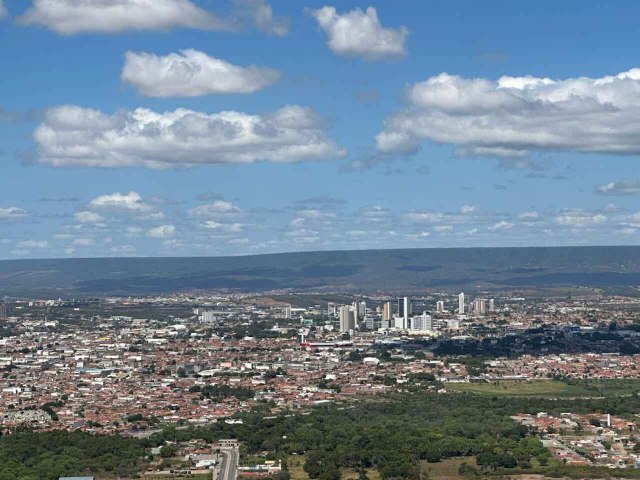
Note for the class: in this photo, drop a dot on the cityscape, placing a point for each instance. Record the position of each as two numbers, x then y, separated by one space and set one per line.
312 240
131 367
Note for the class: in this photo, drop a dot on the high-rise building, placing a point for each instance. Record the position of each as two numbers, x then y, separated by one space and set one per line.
479 306
347 318
362 309
461 304
492 305
386 311
208 316
439 306
369 323
404 311
422 323
287 312
4 311
332 309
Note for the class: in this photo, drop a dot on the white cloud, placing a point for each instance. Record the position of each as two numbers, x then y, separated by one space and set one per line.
238 241
261 15
123 249
577 218
3 10
466 209
83 242
360 33
70 17
9 213
26 244
529 215
443 228
619 188
514 116
88 217
226 227
218 208
131 201
162 231
501 225
75 136
191 73
425 216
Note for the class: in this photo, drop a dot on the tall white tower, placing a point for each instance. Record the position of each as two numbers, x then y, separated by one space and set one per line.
461 304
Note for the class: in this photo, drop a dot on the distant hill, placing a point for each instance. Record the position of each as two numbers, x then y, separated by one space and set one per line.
363 270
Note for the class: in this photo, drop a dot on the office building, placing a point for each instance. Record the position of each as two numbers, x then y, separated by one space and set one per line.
347 318
422 323
479 306
287 312
369 323
492 305
208 316
461 304
362 309
404 311
332 309
386 311
4 311
439 306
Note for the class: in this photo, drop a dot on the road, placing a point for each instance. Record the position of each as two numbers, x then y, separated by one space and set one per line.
228 469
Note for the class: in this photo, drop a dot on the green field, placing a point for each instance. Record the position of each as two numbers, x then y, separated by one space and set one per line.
551 388
446 469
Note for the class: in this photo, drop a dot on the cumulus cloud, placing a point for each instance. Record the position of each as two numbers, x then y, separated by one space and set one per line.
74 136
514 116
88 217
162 231
619 188
576 218
9 213
218 208
131 201
70 17
191 73
359 33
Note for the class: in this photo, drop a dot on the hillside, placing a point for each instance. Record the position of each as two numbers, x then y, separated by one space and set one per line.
390 270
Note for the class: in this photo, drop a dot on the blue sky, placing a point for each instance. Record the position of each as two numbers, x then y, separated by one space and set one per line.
257 126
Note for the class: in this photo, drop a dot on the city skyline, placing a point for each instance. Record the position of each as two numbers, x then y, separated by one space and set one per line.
254 126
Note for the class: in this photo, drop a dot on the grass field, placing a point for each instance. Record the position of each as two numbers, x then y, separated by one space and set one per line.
550 388
447 469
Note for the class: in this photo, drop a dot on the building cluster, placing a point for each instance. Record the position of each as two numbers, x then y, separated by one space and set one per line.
592 439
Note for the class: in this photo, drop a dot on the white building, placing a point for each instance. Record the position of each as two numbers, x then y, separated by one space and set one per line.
461 304
208 316
347 318
422 323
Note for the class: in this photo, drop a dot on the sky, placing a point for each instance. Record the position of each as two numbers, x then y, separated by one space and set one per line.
233 127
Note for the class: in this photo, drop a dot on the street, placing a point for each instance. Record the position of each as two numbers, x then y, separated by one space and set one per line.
228 468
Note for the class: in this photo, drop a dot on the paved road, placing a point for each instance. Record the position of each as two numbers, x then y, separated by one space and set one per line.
228 464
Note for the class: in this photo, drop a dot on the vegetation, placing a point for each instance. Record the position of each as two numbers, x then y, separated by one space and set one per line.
551 388
45 456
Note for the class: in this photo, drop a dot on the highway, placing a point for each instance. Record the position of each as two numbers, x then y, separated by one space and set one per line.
228 469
